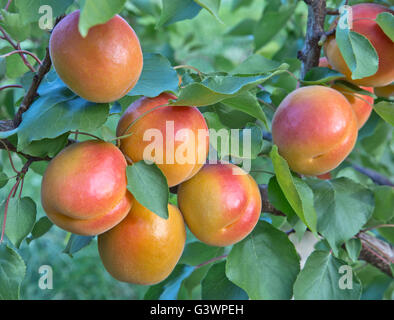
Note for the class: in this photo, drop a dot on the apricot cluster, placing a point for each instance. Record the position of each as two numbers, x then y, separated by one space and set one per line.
85 188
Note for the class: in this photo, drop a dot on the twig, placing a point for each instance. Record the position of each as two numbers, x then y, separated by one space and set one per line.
10 86
374 176
310 54
24 52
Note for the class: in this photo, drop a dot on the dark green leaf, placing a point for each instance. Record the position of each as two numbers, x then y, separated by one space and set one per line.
217 286
385 21
177 10
321 76
40 228
353 248
197 252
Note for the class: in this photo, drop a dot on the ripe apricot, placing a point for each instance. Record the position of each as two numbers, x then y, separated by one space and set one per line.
104 66
144 248
175 138
84 188
221 204
361 103
315 129
363 20
385 92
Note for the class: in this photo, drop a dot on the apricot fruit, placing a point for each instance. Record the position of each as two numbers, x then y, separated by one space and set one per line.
363 21
144 248
361 103
315 129
102 67
84 188
175 138
221 204
385 92
323 62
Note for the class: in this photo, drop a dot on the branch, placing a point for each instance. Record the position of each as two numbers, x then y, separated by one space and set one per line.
376 252
310 54
374 176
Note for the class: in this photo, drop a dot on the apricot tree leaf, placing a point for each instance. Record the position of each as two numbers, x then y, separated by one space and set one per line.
385 21
96 12
385 109
12 273
149 187
265 264
177 10
322 276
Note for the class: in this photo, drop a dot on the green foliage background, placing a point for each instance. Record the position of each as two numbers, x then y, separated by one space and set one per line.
211 40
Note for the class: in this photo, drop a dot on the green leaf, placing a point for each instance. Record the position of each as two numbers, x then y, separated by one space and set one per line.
320 279
149 187
216 88
265 264
76 243
190 288
12 273
321 75
197 252
30 9
384 203
96 12
21 216
40 228
343 207
216 286
357 51
157 76
271 23
353 248
385 21
61 111
15 26
247 102
177 10
168 289
257 64
231 117
299 195
385 109
278 199
244 28
240 3
212 6
3 179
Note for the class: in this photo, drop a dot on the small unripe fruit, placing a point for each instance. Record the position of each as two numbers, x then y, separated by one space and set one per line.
83 189
363 21
179 135
104 66
221 204
144 248
315 129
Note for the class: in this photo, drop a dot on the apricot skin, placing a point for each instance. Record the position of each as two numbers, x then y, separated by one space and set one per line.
144 248
220 208
183 118
84 188
363 16
385 92
361 104
315 129
104 66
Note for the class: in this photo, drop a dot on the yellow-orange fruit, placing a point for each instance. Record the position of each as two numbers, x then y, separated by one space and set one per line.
83 189
315 129
144 248
361 104
385 92
102 67
179 134
221 204
363 21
